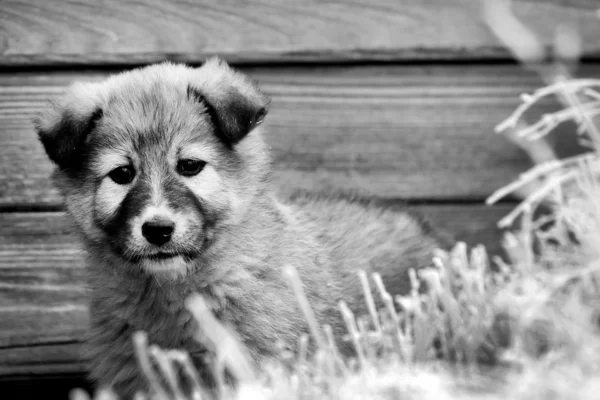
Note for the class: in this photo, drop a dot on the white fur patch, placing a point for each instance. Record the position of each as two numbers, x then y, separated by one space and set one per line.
209 186
157 196
109 197
108 161
286 211
170 268
197 151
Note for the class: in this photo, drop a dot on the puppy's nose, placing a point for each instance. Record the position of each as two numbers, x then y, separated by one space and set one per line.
158 232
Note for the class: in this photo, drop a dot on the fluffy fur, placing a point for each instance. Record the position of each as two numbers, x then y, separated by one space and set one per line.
231 233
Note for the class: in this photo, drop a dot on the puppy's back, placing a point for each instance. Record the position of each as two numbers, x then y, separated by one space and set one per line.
360 234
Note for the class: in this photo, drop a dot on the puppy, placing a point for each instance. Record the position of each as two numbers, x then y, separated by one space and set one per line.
166 174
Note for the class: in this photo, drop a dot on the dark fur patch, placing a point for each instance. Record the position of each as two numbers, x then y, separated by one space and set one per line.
179 197
234 115
195 95
118 227
211 217
64 143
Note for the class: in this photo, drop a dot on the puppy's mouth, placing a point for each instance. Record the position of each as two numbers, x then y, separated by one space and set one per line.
165 264
161 256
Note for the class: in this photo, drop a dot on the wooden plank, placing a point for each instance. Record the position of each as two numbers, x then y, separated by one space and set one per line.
55 358
417 132
43 32
42 297
43 315
41 280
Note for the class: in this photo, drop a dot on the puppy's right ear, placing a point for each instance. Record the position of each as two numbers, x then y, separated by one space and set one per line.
65 124
234 102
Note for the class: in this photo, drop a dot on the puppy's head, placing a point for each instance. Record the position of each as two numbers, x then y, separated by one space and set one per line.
153 162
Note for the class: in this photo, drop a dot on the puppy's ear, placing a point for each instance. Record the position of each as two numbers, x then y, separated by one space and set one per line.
65 124
234 102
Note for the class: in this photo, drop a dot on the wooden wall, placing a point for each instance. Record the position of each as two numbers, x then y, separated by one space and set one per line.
394 98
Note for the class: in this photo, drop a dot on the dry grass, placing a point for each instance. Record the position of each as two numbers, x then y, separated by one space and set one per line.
535 315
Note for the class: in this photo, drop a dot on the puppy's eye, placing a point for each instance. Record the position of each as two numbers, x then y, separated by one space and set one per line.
189 167
122 175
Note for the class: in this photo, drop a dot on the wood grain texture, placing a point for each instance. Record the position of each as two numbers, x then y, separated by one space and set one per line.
417 132
45 32
43 314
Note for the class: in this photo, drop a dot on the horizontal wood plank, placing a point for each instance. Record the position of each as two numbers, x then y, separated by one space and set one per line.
43 313
55 358
416 132
44 32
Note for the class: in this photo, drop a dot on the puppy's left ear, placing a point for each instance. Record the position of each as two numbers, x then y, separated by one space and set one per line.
234 102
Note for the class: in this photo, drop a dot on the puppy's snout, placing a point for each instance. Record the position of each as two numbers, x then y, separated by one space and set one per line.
158 231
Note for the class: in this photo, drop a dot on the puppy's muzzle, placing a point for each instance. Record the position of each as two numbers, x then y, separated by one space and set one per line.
158 231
